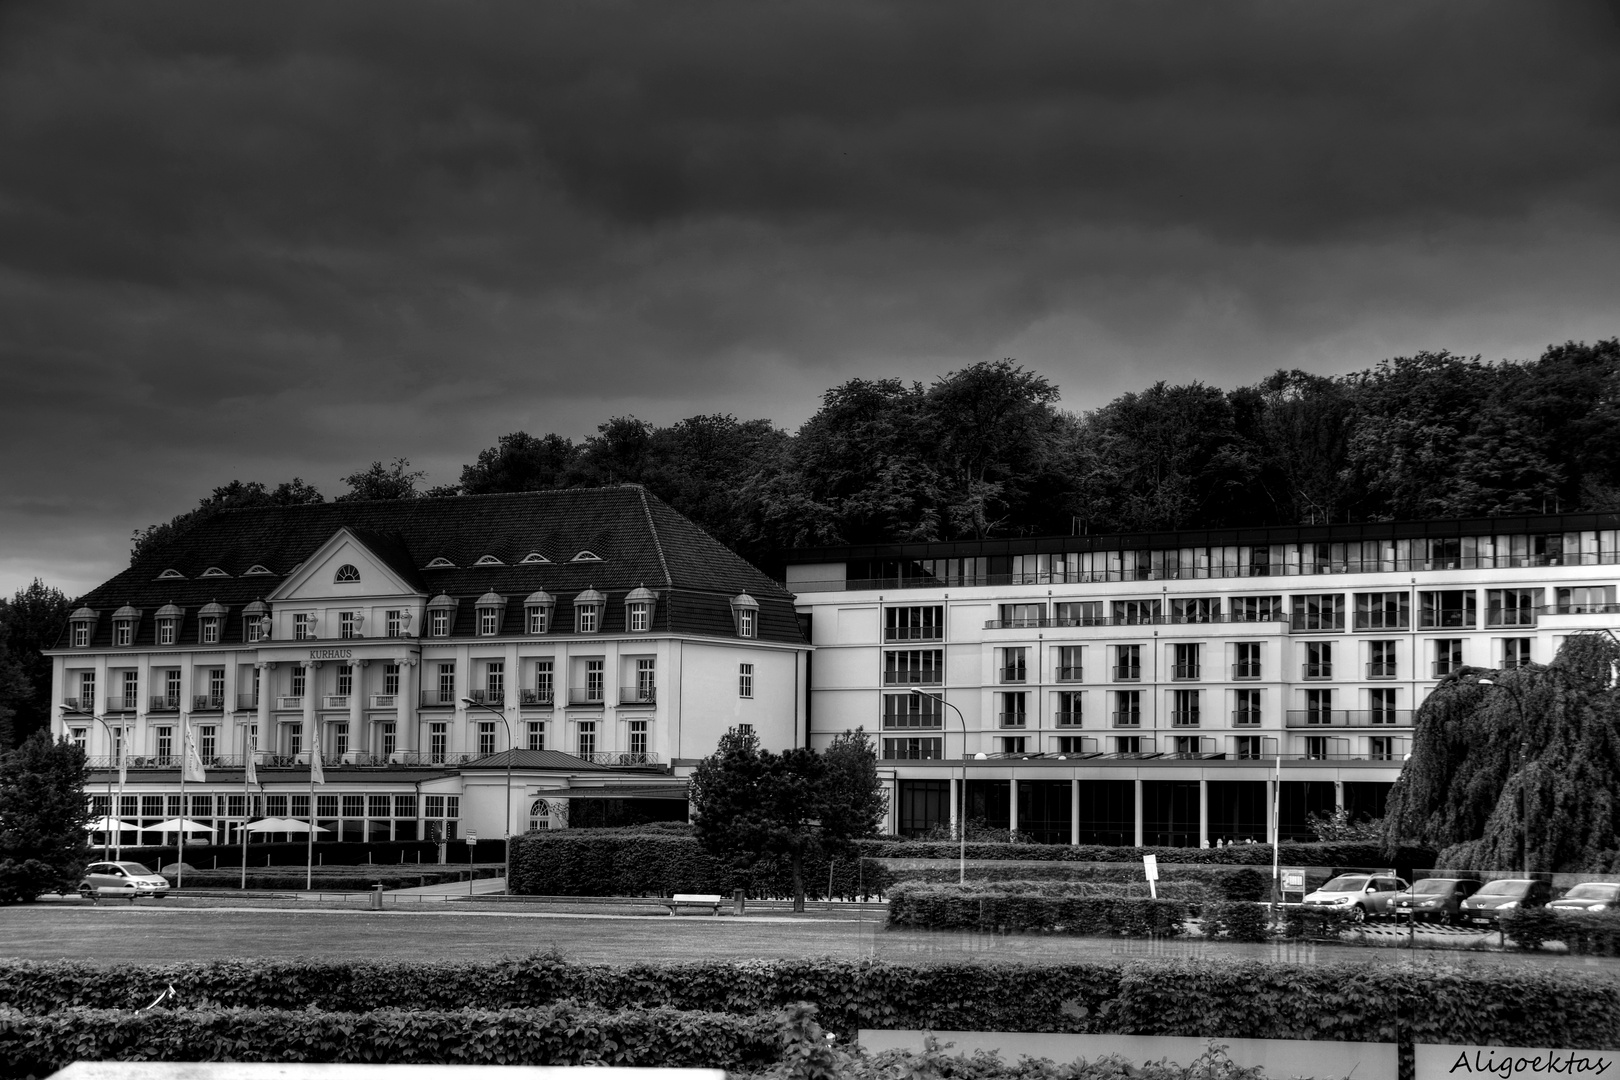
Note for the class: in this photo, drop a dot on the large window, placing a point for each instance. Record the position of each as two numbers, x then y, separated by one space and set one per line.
1015 665
1127 663
537 734
1195 609
1248 660
544 686
914 623
303 627
913 667
447 683
594 680
1318 660
745 680
1383 611
1510 607
1381 662
1184 711
1319 611
1127 708
1015 709
1023 615
638 736
1070 708
1586 600
1137 612
1186 665
1246 708
913 749
1446 609
1515 652
349 624
1070 667
911 711
1448 657
1256 608
1079 613
1381 705
587 738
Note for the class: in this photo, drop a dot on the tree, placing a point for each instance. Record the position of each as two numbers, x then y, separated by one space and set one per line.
33 619
293 492
43 811
380 481
748 803
521 462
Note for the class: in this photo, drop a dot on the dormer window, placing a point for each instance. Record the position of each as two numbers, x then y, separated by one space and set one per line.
745 614
213 571
168 624
587 556
349 624
258 570
441 616
124 620
534 557
171 574
588 611
638 610
537 611
348 572
490 607
488 560
209 621
81 621
255 622
439 563
304 626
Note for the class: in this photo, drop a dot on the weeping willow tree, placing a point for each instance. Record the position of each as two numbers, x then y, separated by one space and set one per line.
1520 768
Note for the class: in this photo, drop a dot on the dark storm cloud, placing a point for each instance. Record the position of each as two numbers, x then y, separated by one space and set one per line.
265 240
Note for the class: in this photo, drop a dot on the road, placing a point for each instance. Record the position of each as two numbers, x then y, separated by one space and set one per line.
201 929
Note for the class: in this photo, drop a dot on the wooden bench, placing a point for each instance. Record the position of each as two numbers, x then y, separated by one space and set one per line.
712 901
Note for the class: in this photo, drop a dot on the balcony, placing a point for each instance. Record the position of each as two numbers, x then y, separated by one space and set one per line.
1127 720
165 703
924 677
624 759
1510 618
123 703
1353 718
384 701
1442 668
1184 717
289 701
1446 619
1012 719
1318 671
1382 671
1317 623
585 695
1014 673
489 696
1069 674
1184 672
912 721
1127 672
638 695
335 701
1246 670
537 697
1131 620
434 699
208 703
1246 718
1580 609
72 704
913 633
1381 620
1067 718
430 758
247 701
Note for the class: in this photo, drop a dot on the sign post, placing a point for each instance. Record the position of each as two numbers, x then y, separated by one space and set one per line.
472 842
1150 866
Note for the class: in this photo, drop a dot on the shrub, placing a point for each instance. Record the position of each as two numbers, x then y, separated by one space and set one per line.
1237 921
1530 928
328 878
1590 933
1316 922
994 907
329 853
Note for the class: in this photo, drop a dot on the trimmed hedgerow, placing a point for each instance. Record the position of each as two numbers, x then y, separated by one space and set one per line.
329 878
293 853
1585 933
1010 907
1316 922
1236 921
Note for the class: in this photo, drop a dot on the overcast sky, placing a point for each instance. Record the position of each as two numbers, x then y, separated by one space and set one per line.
260 241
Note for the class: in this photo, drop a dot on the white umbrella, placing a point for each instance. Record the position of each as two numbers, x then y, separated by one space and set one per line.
177 824
274 825
103 824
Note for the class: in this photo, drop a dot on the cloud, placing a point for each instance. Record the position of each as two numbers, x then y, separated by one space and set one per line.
260 242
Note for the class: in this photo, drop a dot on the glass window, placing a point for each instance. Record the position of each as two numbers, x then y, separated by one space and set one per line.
489 621
914 623
587 738
913 749
439 622
745 681
908 710
537 734
585 617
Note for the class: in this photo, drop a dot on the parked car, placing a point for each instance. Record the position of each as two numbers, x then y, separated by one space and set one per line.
1436 899
121 879
1363 895
1504 894
1589 896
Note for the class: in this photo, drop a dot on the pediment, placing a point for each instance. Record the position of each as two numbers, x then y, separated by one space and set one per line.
342 568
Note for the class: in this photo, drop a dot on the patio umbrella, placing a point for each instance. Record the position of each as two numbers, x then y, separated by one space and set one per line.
103 824
177 824
288 825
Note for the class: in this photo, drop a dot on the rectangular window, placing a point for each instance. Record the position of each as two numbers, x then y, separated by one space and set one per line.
303 627
587 738
1515 652
537 734
354 806
80 737
1319 706
1137 612
171 688
1383 611
1186 745
252 629
346 625
1319 611
486 738
1381 748
593 680
390 738
165 743
1246 707
745 680
252 737
585 618
123 632
914 623
395 622
1014 744
646 679
1448 657
1381 706
404 806
1070 707
1317 747
1247 747
1510 607
1195 610
914 667
275 805
1079 613
489 621
447 683
438 742
345 680
295 739
340 740
81 635
495 682
1127 744
745 622
166 631
216 685
640 619
1071 744
1381 660
1318 660
1184 710
1447 609
537 620
132 690
87 691
544 688
1586 600
1127 663
917 749
1186 664
1256 608
390 678
1015 709
1023 615
1248 660
439 622
911 711
1127 708
1070 667
1014 665
638 736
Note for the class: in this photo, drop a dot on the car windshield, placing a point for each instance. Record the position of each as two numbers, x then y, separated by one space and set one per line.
133 868
1504 888
1434 885
1345 883
1593 891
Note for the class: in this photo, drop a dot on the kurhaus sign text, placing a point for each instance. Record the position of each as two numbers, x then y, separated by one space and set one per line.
331 654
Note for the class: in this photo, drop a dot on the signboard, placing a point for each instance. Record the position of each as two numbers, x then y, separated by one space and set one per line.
472 838
1150 865
1439 1062
1293 880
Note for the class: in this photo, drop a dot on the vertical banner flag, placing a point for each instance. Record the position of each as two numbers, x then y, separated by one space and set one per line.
123 767
252 772
317 775
194 764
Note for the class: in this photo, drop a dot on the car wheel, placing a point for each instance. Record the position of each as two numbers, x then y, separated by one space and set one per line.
1358 914
86 892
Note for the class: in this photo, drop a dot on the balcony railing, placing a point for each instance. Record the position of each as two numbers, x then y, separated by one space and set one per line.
488 696
625 759
1012 719
913 721
123 703
924 677
1184 717
1127 719
1580 609
1318 671
1442 668
1378 620
913 633
1382 671
1014 673
208 703
638 695
1185 672
334 701
1127 672
384 701
537 697
1067 718
1249 670
585 695
164 703
72 704
1129 620
429 758
1510 618
1246 718
438 698
1319 718
1070 674
1431 620
289 701
1314 623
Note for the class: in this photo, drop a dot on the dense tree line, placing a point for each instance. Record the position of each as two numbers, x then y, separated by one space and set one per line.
986 451
29 621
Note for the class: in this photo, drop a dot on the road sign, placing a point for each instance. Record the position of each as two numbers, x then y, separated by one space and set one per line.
472 838
1150 864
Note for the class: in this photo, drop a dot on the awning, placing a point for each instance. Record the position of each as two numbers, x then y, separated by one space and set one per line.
178 825
102 824
288 825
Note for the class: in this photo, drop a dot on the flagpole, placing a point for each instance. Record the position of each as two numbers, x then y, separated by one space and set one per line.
248 777
118 846
309 853
185 766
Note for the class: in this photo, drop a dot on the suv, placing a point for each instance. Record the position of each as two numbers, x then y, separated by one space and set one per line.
129 879
1436 899
1485 907
1362 895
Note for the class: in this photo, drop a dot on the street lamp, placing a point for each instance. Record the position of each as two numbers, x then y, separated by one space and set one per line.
511 749
961 824
1522 756
111 806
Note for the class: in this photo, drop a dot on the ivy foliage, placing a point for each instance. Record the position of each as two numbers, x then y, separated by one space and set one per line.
1504 757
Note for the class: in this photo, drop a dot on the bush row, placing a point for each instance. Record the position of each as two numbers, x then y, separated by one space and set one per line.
1586 933
1013 908
333 853
328 878
1185 882
1230 998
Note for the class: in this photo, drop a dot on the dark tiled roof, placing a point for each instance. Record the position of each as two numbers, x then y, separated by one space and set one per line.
641 541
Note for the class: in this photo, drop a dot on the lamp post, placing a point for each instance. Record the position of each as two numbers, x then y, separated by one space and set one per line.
107 842
961 824
1521 755
511 749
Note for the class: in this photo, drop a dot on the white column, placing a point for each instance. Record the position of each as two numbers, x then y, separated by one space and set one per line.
1139 826
262 716
512 707
1203 813
135 741
956 797
359 740
1074 813
312 730
405 704
1338 794
1012 805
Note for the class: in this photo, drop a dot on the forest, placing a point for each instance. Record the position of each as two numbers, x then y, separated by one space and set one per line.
986 452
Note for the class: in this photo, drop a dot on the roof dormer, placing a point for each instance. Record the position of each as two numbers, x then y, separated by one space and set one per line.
439 563
638 609
487 560
213 571
537 608
81 623
587 556
171 574
441 615
490 608
258 570
534 557
588 607
745 615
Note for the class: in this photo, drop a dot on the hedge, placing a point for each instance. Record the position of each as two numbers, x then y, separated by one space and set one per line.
328 878
648 862
1236 921
1585 933
1228 998
330 852
1013 908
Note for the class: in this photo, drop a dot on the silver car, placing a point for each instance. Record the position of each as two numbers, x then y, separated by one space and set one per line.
1362 895
129 879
